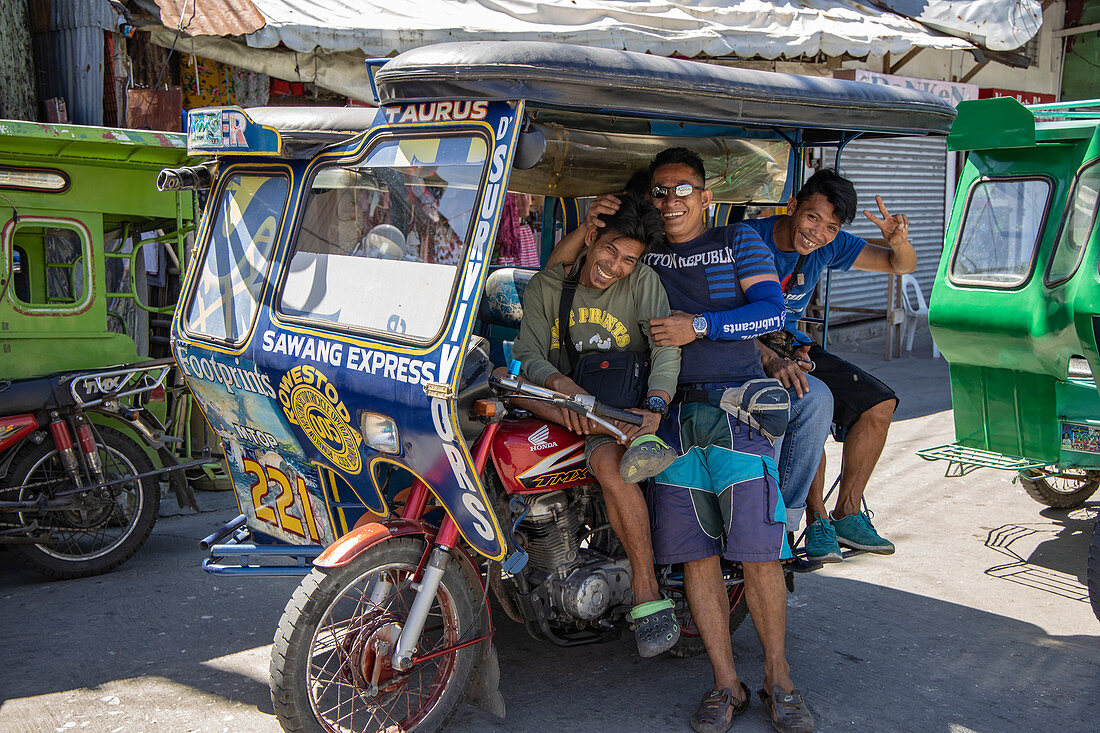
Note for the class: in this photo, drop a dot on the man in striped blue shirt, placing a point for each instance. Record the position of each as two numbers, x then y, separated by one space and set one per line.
720 498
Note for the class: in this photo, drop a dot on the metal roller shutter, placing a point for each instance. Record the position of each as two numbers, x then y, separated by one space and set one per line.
910 175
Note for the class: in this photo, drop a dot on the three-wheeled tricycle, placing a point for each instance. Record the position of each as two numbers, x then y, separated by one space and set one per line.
341 322
90 261
1016 305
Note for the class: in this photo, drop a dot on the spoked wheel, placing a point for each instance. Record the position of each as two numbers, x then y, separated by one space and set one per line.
105 526
331 664
1058 488
690 644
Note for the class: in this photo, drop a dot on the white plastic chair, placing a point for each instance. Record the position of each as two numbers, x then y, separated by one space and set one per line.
916 309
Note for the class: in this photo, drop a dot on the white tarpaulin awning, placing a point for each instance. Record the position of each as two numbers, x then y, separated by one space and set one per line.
745 28
325 41
999 25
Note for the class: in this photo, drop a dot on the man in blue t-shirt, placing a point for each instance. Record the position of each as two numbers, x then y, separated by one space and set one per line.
720 498
805 242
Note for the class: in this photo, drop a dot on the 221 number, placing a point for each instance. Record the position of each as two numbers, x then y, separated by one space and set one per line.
279 516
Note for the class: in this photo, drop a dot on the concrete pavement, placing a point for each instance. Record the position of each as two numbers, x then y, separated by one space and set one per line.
979 622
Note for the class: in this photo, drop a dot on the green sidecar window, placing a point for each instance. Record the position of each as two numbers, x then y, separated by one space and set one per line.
242 239
999 232
381 241
1076 228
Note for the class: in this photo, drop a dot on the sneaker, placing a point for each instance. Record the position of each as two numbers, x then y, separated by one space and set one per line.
821 543
799 563
857 532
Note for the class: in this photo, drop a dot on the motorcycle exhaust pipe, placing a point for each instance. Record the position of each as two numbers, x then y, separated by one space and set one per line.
230 527
189 177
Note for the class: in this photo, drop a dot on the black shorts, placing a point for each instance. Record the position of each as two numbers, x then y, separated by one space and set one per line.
854 390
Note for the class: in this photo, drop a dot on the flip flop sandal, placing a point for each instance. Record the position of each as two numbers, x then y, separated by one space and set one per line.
646 457
789 711
656 629
710 716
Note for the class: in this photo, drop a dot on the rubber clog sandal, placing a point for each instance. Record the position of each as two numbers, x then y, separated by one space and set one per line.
788 710
656 629
644 458
710 716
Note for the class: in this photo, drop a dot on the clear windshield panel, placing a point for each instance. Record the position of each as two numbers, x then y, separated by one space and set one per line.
999 233
738 170
1077 226
242 239
381 241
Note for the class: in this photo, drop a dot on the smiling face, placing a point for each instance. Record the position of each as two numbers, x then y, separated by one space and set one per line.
684 217
611 257
813 223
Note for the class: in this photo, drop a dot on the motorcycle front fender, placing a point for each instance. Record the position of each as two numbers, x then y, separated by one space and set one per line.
359 540
354 543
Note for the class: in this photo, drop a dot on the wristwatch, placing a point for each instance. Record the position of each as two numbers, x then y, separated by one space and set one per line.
656 404
699 323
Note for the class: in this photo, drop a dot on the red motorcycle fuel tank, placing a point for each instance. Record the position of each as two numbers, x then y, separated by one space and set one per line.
532 456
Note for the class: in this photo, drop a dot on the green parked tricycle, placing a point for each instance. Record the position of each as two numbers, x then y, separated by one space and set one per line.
90 256
1016 305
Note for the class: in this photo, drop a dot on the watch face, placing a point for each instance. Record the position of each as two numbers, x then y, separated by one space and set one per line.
699 324
656 404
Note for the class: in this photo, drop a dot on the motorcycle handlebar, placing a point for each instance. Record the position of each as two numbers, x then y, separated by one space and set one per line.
614 413
577 403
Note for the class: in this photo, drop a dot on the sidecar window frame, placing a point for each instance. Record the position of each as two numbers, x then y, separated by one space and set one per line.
1070 235
241 335
374 143
990 279
64 285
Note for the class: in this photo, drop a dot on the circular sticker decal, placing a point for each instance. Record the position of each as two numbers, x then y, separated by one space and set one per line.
324 426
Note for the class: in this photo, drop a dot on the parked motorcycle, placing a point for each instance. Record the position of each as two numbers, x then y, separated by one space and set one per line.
387 639
78 498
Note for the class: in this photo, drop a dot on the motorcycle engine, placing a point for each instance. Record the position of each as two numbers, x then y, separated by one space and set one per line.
581 584
552 530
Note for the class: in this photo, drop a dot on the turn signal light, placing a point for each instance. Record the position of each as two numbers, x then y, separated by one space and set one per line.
486 408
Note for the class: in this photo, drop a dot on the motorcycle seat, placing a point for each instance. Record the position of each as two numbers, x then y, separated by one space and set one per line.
32 395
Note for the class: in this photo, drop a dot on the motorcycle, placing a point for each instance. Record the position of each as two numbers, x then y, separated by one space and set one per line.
388 636
79 498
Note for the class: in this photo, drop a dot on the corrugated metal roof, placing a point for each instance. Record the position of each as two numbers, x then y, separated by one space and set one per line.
211 17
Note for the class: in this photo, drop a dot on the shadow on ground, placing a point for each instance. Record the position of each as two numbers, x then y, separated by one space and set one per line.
868 657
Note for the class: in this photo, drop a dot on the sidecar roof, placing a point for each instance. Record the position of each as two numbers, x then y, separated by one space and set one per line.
558 78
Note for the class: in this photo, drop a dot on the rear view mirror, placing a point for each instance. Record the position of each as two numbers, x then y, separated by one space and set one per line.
530 148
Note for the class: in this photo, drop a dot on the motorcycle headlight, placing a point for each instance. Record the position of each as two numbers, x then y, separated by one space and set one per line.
379 432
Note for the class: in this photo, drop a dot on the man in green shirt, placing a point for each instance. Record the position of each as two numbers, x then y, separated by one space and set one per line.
616 296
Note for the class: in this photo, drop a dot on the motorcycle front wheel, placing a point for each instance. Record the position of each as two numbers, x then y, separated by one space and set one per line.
105 526
330 667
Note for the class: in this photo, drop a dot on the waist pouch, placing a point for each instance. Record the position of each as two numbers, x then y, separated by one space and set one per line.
764 404
617 378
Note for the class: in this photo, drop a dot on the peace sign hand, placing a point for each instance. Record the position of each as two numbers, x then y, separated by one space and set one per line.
894 228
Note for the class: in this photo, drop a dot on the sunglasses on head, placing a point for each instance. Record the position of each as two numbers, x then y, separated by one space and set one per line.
682 190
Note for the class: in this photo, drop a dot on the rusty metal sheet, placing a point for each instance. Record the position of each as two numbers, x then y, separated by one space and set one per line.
211 17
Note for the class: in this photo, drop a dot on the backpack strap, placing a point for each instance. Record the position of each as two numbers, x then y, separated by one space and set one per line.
567 352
